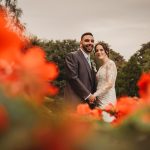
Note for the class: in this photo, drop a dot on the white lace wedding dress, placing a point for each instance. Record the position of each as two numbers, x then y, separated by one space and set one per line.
106 94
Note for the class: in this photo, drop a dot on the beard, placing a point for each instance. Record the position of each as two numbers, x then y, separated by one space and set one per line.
88 48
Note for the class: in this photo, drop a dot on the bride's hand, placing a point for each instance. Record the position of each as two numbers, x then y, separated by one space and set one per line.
91 98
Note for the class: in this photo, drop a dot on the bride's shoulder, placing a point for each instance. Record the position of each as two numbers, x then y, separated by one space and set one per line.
111 62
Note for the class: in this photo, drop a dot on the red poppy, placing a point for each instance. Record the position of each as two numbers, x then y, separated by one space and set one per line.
10 41
84 109
24 73
144 87
125 107
146 118
31 76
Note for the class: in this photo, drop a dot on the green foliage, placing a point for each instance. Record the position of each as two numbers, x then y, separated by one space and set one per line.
131 71
118 59
12 6
129 75
143 57
120 89
146 62
14 12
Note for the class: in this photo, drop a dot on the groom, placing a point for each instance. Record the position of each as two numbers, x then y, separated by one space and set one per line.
81 79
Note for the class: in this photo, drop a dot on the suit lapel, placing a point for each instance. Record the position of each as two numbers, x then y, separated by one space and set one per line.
86 64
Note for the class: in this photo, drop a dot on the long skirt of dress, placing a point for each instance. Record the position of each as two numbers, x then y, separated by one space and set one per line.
109 98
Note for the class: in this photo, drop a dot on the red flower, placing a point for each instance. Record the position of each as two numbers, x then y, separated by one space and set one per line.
24 73
123 109
31 76
144 87
146 118
10 41
84 109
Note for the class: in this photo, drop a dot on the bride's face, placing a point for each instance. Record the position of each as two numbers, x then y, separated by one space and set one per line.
100 52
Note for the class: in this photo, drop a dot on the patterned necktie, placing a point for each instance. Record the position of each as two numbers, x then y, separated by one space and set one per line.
88 59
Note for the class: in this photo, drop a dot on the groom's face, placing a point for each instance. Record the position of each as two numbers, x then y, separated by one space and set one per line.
87 43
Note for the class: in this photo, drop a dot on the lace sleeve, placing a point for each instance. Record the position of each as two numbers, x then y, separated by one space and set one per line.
111 73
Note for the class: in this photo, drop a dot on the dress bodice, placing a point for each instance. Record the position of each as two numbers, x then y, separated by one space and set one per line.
106 77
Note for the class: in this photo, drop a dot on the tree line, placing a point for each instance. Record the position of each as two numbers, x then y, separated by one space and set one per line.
129 71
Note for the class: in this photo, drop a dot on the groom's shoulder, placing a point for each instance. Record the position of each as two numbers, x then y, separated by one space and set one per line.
74 52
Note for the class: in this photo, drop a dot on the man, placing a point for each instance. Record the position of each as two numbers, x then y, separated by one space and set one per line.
81 82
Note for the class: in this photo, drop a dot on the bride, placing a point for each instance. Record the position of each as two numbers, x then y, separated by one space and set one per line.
106 77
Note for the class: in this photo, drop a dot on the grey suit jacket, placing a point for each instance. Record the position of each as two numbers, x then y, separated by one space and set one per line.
81 80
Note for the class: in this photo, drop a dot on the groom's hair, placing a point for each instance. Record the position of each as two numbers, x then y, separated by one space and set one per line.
86 33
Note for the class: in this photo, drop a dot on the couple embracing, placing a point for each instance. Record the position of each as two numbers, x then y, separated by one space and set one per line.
84 83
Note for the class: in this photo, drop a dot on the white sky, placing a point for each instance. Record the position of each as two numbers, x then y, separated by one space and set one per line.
123 24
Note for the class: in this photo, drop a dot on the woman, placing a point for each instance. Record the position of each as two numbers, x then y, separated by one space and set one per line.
106 77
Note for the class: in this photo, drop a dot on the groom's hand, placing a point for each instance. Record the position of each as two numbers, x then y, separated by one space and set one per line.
91 98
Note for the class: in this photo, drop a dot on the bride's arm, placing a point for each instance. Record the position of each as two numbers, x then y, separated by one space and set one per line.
111 73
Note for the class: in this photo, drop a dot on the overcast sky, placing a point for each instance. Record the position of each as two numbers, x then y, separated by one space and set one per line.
123 24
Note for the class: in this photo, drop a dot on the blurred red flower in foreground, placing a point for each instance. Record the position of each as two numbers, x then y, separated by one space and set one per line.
124 107
10 41
84 109
24 73
31 77
144 87
146 118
